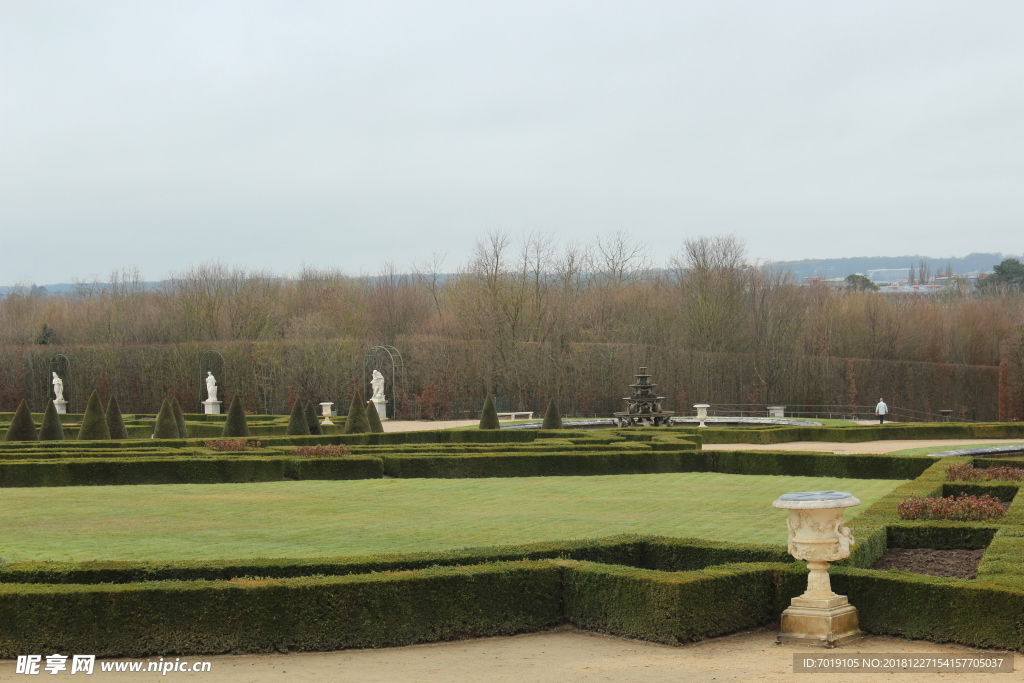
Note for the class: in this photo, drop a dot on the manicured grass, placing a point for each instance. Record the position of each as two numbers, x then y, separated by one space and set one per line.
954 447
331 518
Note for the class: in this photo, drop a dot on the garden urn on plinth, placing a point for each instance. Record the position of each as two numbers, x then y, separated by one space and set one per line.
702 412
817 534
325 409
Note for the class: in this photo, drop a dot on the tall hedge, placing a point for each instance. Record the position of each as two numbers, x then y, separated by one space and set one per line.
356 422
22 427
51 429
115 422
94 422
179 418
312 420
297 424
236 424
166 426
489 416
552 418
374 418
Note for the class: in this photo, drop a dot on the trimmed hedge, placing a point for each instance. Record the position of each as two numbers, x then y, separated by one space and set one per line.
297 424
115 421
22 427
266 615
537 465
236 424
51 429
184 470
488 415
94 422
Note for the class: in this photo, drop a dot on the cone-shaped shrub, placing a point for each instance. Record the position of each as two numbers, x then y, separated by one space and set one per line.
356 422
236 424
94 422
22 427
312 420
115 422
179 418
52 429
552 420
489 416
373 417
297 425
166 426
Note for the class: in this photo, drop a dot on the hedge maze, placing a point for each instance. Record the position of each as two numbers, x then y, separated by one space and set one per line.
666 590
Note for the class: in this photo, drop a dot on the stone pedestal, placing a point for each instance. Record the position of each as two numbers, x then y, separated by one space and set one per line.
702 412
382 409
817 535
61 405
325 409
211 407
776 411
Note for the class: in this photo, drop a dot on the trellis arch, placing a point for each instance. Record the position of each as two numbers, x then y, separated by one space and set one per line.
377 356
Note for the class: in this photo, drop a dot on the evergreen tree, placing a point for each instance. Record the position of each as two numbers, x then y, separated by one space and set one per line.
312 420
166 426
489 416
22 427
94 422
552 419
179 418
236 424
52 429
356 422
373 417
115 422
297 425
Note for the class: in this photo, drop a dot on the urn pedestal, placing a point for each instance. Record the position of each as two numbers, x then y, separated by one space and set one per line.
61 405
382 409
702 412
817 534
211 407
325 409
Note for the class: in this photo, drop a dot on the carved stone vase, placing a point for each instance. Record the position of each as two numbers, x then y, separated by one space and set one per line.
818 535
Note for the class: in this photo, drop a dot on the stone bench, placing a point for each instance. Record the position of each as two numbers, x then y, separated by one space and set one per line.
521 415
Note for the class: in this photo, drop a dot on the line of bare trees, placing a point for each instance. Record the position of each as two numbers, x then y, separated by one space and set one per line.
514 317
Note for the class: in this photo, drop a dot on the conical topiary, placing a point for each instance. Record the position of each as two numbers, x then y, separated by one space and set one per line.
52 429
94 422
166 426
115 422
297 425
312 420
179 418
373 417
356 422
236 424
22 427
552 420
489 416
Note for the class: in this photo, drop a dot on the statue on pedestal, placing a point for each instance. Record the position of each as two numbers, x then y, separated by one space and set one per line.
58 388
211 386
378 387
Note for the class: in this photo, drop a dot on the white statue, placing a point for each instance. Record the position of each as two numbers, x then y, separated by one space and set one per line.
58 388
211 386
378 387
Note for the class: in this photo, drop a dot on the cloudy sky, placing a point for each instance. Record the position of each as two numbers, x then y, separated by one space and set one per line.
272 134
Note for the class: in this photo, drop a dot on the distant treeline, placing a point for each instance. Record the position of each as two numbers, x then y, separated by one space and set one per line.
525 321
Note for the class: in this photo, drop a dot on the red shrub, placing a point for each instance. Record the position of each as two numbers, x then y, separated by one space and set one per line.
232 444
321 451
971 473
962 508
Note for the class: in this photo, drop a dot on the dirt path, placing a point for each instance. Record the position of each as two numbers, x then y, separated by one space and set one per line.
565 655
864 447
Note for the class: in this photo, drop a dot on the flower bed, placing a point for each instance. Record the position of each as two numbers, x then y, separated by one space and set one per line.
962 508
322 451
232 444
971 473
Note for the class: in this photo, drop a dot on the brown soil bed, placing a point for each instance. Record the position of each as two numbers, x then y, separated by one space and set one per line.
960 564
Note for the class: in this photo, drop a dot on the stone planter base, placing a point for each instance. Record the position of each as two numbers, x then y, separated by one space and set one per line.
825 622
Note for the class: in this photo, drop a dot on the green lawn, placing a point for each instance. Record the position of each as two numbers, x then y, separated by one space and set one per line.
330 518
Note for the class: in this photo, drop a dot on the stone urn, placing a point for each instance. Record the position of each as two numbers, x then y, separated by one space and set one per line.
325 409
702 412
818 535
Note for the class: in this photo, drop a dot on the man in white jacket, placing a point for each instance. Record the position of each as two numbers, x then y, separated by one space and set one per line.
881 410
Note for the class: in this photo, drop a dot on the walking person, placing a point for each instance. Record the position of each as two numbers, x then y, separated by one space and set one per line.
881 410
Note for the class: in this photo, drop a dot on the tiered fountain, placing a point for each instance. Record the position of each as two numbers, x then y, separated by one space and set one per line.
643 407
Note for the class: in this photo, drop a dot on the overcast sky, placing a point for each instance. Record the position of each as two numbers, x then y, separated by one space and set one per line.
346 134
